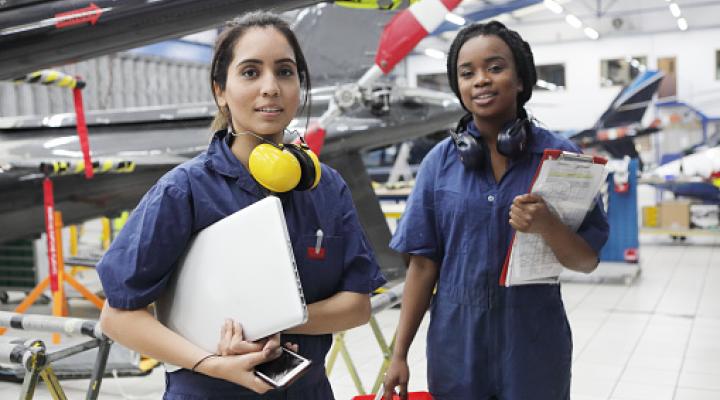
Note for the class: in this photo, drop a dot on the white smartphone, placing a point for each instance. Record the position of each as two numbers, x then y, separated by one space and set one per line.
283 370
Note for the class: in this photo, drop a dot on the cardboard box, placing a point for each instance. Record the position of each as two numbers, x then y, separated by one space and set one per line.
705 216
675 214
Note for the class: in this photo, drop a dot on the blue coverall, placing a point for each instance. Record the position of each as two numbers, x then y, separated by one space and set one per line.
213 185
485 340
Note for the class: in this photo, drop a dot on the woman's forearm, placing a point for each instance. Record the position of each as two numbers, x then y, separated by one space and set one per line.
140 331
420 280
571 250
340 312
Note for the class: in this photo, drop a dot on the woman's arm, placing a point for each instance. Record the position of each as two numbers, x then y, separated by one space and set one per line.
140 331
340 312
420 280
530 214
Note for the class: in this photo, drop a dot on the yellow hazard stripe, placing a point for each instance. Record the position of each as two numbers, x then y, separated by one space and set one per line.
50 77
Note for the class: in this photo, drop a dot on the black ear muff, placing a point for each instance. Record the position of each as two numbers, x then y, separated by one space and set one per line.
513 138
470 150
307 167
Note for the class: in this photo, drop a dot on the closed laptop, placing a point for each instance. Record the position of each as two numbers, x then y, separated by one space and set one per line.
241 267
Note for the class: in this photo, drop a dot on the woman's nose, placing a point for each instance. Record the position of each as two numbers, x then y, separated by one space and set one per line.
481 80
270 87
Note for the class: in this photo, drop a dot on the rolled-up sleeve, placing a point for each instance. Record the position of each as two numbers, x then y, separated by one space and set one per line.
137 266
361 272
594 228
417 231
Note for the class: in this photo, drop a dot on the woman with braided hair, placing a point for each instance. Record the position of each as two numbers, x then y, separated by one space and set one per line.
486 341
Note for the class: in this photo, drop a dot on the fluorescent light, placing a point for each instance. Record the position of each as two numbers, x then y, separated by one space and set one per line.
591 33
455 19
553 6
675 10
435 53
573 21
682 24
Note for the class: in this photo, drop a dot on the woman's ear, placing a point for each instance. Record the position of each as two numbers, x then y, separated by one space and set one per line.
219 95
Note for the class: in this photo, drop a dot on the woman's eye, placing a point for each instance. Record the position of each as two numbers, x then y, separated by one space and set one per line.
495 68
249 73
466 73
286 71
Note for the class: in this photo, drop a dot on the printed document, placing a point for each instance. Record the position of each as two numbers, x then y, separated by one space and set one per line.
568 184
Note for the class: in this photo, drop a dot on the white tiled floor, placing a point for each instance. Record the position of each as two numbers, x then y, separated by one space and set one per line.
657 338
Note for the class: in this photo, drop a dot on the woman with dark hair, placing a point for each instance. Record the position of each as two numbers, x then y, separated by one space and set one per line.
258 77
486 341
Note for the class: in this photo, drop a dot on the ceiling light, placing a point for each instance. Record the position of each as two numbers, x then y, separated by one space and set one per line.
553 6
435 53
573 21
455 19
675 10
682 24
591 33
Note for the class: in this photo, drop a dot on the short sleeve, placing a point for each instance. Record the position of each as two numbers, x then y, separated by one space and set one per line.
416 232
136 268
594 228
361 272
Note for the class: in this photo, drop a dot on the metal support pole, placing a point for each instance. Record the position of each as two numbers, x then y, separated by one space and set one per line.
98 369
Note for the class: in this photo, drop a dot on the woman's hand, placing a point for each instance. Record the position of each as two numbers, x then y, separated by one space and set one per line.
530 214
397 375
232 342
239 369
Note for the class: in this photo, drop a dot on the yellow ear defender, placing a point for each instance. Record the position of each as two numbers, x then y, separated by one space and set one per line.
284 167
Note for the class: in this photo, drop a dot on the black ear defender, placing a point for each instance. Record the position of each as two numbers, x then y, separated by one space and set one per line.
511 142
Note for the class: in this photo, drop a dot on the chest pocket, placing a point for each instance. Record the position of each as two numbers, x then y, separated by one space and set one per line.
320 274
449 210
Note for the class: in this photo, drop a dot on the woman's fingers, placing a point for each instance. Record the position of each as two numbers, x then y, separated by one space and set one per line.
226 336
293 347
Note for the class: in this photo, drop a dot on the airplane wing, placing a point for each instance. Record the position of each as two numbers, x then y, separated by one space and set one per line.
622 121
40 34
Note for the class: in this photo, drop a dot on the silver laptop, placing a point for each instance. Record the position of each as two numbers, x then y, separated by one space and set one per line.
241 267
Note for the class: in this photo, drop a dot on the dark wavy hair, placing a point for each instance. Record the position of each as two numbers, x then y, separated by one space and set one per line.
522 55
224 54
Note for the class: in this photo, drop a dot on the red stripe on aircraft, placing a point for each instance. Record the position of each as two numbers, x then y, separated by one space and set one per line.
80 16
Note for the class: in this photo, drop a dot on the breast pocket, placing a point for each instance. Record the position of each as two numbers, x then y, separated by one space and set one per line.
320 271
449 209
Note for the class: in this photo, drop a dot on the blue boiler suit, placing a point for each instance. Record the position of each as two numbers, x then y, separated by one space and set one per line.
485 340
213 185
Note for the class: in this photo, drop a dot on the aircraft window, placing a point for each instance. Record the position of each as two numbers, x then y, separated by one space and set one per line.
550 77
621 71
717 64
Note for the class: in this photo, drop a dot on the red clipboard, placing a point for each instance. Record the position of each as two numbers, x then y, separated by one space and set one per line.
548 154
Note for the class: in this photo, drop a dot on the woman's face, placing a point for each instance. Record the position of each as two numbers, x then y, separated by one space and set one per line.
263 87
488 79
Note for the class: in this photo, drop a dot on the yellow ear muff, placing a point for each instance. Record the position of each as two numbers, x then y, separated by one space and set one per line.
316 165
273 168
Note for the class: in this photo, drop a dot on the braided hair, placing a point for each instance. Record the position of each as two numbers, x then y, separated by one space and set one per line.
522 55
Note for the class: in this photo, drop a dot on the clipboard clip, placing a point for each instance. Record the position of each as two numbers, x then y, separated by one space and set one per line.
554 154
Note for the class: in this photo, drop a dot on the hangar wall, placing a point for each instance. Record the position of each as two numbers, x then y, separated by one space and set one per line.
584 100
121 80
